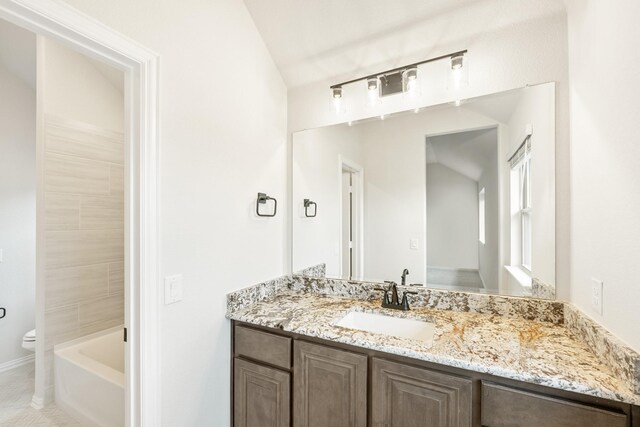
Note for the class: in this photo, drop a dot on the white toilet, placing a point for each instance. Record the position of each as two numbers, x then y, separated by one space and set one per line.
29 340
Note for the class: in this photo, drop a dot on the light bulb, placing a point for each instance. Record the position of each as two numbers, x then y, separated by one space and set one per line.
457 61
372 91
459 72
336 98
410 81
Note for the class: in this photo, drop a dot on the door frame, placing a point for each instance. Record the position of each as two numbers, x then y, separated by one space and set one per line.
346 164
70 27
501 195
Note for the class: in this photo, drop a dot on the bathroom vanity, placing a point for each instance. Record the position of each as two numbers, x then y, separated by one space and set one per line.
456 203
329 384
494 361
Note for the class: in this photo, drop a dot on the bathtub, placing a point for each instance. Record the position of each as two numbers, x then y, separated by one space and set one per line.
89 378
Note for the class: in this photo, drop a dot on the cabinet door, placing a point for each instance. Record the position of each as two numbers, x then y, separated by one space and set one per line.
261 395
508 407
408 396
330 387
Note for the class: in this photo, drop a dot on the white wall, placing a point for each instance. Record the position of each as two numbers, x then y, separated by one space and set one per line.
17 212
74 89
452 219
513 56
223 112
489 251
536 108
605 200
316 174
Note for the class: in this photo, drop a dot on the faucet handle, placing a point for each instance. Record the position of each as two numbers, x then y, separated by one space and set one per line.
405 300
385 297
391 283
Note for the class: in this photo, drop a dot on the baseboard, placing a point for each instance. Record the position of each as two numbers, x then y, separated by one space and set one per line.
12 364
37 402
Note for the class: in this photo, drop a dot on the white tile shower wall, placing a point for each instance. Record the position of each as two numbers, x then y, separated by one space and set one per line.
84 241
83 188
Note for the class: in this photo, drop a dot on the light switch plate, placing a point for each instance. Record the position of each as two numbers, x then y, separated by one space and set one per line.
172 289
413 244
596 295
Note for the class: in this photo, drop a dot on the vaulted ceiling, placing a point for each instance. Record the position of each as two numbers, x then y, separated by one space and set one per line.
317 40
18 52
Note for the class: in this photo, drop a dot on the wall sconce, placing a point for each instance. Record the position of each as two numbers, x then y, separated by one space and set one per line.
399 80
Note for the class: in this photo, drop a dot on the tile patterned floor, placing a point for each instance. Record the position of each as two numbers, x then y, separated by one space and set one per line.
16 389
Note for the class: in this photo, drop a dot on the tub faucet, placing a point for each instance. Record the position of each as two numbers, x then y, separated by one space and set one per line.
405 273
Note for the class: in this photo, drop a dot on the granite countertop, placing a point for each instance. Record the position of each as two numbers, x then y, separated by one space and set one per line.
527 350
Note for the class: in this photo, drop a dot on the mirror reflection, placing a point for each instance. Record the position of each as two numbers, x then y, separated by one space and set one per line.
460 197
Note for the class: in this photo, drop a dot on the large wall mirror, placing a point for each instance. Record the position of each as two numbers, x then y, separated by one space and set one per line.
461 196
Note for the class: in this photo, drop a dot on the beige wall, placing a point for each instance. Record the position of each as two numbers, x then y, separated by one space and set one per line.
83 189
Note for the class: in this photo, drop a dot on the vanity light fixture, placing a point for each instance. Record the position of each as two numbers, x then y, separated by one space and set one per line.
397 80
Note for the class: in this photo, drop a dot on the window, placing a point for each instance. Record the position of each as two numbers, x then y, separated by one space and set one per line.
481 216
521 206
525 211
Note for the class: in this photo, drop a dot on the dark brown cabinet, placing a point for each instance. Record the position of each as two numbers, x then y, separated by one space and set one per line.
329 387
408 396
504 406
282 379
261 395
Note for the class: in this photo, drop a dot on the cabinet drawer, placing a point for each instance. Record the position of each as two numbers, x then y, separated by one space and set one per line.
263 346
504 406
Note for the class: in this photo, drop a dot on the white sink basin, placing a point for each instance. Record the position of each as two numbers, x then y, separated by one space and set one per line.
387 325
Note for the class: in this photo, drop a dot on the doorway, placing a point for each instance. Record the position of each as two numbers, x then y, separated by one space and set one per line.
66 25
351 220
66 287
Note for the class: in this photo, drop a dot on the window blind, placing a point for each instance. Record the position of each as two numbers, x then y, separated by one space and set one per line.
521 152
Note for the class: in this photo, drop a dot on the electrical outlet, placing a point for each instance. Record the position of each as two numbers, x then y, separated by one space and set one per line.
596 295
172 289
